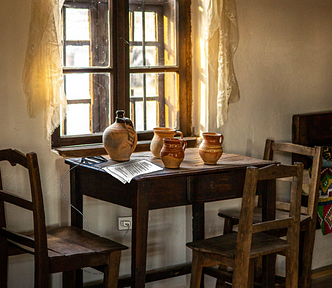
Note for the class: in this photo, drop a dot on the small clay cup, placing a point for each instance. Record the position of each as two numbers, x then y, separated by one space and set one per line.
172 152
210 149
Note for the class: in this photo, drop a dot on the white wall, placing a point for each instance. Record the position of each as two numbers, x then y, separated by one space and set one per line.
283 67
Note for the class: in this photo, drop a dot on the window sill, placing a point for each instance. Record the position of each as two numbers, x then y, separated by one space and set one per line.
98 149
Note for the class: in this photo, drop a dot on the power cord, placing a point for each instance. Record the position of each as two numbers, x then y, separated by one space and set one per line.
71 205
128 228
87 161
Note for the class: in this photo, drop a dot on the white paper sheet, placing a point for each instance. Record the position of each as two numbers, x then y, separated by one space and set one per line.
126 171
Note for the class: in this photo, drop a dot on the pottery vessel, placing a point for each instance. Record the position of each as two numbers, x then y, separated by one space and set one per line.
210 149
120 138
172 152
159 134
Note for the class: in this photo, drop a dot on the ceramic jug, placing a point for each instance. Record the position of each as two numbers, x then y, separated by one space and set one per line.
172 152
210 149
159 134
120 138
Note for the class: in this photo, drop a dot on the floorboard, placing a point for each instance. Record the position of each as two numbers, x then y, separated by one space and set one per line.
322 282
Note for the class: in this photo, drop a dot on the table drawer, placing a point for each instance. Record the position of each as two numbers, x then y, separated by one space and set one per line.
216 186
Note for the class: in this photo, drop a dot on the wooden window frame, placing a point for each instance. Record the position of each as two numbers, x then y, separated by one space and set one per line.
119 72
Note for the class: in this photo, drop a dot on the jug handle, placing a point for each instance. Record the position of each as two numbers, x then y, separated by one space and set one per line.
221 140
179 133
184 144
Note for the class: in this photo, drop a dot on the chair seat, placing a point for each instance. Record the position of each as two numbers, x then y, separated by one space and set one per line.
225 245
234 215
79 247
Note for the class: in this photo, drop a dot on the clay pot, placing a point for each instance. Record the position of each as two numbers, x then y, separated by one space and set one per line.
120 138
157 141
210 149
172 152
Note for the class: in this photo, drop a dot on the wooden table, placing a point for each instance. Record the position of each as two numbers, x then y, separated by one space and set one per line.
193 184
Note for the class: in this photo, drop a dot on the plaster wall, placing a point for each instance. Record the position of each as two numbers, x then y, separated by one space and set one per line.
283 67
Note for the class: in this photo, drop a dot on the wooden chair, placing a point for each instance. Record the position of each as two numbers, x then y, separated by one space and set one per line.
61 250
308 213
240 250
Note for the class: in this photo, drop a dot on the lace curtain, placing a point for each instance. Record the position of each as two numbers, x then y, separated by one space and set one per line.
222 41
42 75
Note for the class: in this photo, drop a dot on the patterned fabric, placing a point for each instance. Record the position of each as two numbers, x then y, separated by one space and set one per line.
327 152
325 201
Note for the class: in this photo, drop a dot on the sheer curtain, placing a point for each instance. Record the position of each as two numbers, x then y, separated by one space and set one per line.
42 75
222 37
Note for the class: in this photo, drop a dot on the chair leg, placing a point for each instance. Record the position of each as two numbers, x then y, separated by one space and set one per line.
111 273
68 279
228 226
251 274
221 282
3 262
291 270
196 270
268 270
306 250
42 278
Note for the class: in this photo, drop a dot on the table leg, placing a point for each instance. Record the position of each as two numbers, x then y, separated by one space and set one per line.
198 221
76 199
268 210
140 214
198 226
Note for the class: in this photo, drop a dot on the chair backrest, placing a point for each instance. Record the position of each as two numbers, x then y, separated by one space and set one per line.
38 243
269 175
314 155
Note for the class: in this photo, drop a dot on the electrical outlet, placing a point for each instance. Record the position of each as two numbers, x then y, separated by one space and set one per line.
124 222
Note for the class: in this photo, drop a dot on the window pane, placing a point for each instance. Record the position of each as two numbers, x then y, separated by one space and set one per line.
151 56
77 24
86 35
152 85
170 34
137 110
77 56
136 87
78 119
154 100
138 31
136 56
152 115
89 103
150 26
77 86
155 49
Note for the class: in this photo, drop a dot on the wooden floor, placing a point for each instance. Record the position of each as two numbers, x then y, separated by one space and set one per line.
322 282
319 282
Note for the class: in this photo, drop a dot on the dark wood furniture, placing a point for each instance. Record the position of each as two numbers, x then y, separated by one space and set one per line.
58 250
308 213
312 129
240 250
193 184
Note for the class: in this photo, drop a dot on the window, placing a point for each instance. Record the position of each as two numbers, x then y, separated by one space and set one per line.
125 55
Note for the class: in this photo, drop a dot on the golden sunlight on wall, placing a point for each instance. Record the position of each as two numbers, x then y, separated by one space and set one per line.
200 109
